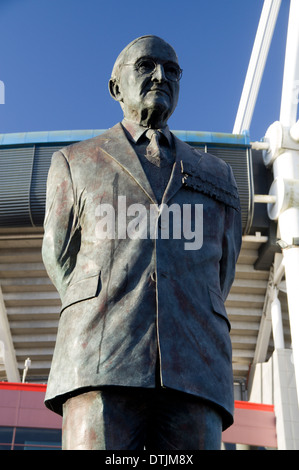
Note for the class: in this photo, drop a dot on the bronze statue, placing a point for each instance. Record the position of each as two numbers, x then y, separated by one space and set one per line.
142 234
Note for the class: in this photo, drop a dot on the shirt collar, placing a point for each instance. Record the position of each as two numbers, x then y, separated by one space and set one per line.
135 131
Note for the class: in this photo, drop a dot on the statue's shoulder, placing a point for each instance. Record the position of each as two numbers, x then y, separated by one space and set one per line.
198 161
89 146
208 174
212 164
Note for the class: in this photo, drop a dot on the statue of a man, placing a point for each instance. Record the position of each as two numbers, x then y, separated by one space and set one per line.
142 234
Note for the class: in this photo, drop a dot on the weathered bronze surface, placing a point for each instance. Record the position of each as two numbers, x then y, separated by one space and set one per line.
133 418
142 303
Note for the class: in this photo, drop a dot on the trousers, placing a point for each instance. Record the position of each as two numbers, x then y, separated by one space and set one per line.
125 418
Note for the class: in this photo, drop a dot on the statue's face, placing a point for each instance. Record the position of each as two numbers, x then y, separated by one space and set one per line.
146 89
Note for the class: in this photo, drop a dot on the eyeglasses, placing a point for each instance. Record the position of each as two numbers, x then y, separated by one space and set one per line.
148 67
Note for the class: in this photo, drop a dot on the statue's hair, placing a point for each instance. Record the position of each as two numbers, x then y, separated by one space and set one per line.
121 58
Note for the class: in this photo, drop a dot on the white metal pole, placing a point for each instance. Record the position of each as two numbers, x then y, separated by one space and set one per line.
290 87
277 326
286 169
256 65
10 361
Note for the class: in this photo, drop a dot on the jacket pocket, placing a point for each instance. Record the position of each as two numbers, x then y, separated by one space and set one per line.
218 306
86 288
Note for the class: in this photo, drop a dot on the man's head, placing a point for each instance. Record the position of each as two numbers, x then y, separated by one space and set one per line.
145 80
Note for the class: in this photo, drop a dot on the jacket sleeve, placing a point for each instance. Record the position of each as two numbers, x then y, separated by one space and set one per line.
59 223
231 245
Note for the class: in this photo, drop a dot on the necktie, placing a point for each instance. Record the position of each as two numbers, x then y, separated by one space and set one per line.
154 153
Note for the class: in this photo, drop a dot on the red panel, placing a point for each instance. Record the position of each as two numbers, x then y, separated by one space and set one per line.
248 405
25 408
20 386
252 427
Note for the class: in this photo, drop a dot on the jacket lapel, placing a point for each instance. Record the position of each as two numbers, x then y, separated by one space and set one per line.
185 155
116 145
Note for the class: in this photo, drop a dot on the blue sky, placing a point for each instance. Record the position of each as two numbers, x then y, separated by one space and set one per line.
56 57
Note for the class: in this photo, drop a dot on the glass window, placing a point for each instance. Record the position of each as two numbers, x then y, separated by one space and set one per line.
6 435
37 439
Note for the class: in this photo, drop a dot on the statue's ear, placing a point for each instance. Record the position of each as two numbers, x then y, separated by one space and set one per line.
114 89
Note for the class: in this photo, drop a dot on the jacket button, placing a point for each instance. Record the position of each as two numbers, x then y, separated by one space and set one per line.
153 276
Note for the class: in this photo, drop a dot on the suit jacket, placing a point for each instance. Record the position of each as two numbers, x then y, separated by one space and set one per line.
130 302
